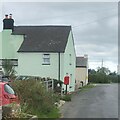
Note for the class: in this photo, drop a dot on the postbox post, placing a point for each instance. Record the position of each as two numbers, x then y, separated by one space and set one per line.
66 90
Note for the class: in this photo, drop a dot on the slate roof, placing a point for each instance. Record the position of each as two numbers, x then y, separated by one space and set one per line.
43 38
81 62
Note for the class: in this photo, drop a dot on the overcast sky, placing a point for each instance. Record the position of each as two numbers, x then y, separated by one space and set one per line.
94 25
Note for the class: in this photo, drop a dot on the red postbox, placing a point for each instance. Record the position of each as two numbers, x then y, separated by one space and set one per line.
66 80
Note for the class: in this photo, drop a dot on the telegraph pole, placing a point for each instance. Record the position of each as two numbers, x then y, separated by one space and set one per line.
102 64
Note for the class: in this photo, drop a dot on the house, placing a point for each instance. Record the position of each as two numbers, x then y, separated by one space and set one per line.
45 51
81 75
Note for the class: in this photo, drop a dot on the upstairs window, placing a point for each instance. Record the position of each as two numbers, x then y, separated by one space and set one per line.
13 62
46 59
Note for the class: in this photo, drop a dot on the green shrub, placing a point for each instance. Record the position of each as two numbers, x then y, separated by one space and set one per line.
34 96
66 97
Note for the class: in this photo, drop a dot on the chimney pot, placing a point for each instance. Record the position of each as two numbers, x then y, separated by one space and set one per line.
10 16
8 23
6 16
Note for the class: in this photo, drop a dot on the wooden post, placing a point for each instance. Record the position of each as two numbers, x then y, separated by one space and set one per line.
47 85
52 84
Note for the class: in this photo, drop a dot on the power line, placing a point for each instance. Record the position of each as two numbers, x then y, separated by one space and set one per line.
93 21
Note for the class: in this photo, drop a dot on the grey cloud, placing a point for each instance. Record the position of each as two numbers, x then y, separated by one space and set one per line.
94 24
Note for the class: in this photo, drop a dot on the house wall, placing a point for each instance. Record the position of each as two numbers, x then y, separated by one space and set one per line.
10 44
69 63
81 74
31 64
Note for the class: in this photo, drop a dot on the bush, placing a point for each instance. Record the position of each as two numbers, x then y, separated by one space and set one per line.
56 88
66 97
34 96
98 78
13 111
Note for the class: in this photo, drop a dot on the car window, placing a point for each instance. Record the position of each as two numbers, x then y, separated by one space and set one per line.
8 89
5 79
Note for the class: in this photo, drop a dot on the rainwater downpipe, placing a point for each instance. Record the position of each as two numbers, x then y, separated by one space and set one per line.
59 66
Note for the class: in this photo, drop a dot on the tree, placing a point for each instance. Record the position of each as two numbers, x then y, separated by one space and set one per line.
103 70
91 71
113 73
9 69
114 77
99 76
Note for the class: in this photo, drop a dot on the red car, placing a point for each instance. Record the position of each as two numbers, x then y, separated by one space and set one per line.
7 94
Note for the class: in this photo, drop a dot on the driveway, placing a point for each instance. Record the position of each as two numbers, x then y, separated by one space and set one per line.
98 102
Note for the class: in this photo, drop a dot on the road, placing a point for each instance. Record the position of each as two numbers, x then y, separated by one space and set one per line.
98 102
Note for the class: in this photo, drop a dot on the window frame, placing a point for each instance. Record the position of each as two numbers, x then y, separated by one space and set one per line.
47 57
14 62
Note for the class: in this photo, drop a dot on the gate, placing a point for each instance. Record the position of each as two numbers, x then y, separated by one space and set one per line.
49 84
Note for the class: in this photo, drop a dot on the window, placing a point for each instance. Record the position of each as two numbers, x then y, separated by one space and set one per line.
46 59
14 62
5 79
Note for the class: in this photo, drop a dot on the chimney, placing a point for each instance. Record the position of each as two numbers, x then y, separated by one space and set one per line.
8 23
85 56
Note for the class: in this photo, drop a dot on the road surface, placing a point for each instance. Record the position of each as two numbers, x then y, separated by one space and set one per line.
98 102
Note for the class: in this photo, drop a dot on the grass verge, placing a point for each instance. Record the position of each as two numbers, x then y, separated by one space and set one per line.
86 87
